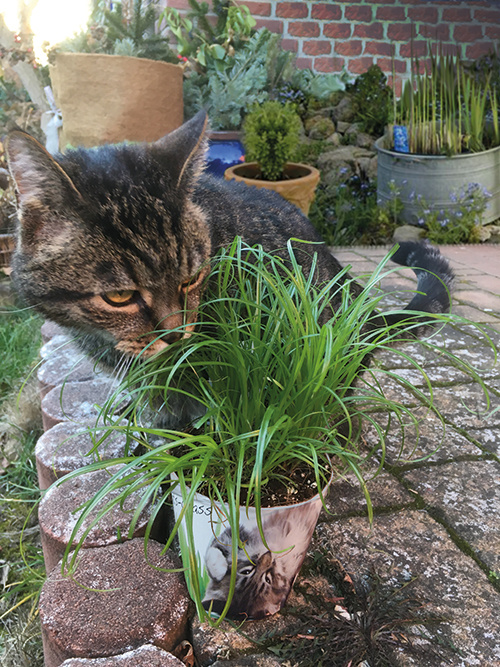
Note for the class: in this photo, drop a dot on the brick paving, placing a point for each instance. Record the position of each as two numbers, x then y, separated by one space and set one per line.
438 520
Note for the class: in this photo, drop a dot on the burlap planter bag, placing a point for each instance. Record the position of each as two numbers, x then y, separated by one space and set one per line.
108 99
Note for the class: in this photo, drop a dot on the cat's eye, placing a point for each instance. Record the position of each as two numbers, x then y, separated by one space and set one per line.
120 298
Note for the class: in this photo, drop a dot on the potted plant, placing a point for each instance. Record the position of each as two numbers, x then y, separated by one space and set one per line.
446 137
271 137
273 371
118 80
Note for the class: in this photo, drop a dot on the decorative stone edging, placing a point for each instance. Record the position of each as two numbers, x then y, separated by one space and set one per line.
116 609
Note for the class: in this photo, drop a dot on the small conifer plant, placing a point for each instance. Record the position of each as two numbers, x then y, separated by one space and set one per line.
271 137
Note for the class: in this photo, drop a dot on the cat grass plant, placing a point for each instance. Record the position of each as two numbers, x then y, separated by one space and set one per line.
278 379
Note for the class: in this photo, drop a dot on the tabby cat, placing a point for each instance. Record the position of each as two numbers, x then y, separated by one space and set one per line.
115 242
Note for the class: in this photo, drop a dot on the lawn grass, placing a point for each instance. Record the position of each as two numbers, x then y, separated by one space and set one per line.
21 562
19 345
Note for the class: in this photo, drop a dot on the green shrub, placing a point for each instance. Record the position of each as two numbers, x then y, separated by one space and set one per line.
271 137
372 99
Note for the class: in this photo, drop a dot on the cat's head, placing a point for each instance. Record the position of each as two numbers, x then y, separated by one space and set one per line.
110 241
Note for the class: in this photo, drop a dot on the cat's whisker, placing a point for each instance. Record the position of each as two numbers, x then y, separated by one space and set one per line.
121 370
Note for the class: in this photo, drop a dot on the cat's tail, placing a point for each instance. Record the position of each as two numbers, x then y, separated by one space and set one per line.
434 286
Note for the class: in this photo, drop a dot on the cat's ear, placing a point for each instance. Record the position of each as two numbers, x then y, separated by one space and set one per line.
39 179
183 150
42 186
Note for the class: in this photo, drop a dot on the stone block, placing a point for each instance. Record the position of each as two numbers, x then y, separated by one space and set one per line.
58 514
116 601
411 545
50 329
75 401
145 656
66 446
53 344
466 495
63 362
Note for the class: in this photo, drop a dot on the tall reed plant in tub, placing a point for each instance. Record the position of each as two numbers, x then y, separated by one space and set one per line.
446 136
446 110
279 384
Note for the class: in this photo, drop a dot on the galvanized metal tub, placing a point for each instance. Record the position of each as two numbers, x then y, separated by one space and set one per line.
435 178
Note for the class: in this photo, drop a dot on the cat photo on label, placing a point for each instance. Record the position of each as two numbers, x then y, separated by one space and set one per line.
115 242
265 573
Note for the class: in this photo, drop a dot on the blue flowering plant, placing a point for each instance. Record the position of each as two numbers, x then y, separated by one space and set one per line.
349 212
461 222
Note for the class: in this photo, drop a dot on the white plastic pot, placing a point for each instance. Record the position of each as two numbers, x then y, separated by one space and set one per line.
265 571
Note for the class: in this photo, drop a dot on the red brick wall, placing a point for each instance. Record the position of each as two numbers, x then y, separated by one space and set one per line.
328 36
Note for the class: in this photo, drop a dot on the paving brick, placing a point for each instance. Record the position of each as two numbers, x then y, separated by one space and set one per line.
271 24
66 446
475 51
399 32
390 14
400 66
116 601
423 13
439 32
346 495
58 514
456 15
259 8
467 33
483 300
290 44
358 13
427 439
303 29
325 12
378 48
360 65
371 31
418 48
408 545
466 406
487 15
331 64
337 30
317 47
467 496
349 48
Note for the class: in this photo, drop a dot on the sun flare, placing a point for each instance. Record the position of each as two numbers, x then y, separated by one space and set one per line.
51 21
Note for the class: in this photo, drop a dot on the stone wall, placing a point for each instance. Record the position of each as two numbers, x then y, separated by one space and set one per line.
354 34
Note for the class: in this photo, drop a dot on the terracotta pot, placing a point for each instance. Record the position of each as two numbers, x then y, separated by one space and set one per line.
298 188
265 572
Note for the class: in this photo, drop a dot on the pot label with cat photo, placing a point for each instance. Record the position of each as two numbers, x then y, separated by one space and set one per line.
266 569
